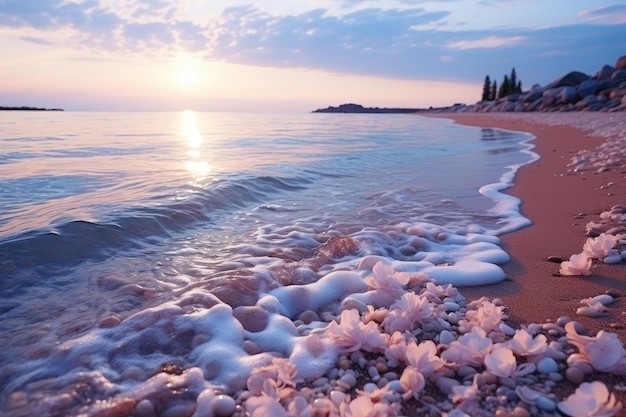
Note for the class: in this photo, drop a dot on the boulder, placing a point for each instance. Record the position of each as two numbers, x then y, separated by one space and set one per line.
568 95
531 96
621 63
604 73
571 79
619 74
587 87
624 100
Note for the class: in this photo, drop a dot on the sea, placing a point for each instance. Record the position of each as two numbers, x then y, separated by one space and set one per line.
123 234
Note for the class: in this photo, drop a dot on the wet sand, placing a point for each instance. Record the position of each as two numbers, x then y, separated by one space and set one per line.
559 204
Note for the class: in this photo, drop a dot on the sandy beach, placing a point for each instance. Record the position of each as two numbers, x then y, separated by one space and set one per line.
560 204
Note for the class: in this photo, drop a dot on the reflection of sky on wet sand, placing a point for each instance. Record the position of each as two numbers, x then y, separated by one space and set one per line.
195 164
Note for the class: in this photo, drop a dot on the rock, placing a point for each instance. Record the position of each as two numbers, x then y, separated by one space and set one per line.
571 79
604 73
621 62
252 318
587 87
619 75
568 95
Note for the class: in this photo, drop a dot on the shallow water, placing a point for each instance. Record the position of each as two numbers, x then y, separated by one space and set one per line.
103 215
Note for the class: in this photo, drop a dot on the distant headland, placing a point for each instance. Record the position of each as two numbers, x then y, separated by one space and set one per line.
357 108
575 91
26 108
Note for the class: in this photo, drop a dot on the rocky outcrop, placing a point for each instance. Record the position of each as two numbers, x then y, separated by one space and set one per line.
575 91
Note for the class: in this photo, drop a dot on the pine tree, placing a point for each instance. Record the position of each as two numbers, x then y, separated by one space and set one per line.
504 87
486 89
494 91
518 88
513 82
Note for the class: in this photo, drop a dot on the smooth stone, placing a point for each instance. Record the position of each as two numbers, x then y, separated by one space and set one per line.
547 365
563 320
445 384
604 299
545 403
520 412
612 259
144 408
450 306
224 406
445 337
337 397
588 312
252 318
349 380
555 376
574 375
555 259
466 371
506 329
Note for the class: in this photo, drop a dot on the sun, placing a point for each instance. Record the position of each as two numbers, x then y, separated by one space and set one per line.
187 75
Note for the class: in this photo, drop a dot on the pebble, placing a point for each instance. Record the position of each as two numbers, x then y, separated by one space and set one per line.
547 365
555 376
451 306
604 299
506 329
337 397
545 403
446 384
445 337
520 412
588 312
563 320
555 259
144 408
347 381
466 371
574 375
224 406
613 259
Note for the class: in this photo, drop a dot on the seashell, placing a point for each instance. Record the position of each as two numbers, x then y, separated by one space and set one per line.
527 394
525 369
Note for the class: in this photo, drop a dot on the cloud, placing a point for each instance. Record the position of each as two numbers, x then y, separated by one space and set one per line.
488 42
615 13
391 42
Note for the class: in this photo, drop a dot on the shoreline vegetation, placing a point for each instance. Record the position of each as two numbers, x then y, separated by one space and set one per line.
26 108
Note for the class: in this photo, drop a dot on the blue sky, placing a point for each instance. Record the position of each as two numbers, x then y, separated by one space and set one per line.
292 55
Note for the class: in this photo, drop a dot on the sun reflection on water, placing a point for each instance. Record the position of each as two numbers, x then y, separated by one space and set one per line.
198 167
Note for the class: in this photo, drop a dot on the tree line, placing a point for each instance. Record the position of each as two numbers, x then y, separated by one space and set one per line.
510 85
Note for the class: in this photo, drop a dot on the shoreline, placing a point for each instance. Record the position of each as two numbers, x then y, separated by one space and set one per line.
559 204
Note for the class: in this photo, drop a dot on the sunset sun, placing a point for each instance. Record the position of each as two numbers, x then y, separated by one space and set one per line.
187 75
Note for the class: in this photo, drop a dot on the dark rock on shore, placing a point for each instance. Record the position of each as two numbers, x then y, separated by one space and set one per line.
604 91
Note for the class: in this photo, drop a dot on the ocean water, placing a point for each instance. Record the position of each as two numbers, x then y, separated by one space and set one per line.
124 234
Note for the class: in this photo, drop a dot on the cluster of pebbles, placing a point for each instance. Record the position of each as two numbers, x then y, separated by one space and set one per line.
534 390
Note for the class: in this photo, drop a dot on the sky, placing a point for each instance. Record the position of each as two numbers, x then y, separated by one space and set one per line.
292 55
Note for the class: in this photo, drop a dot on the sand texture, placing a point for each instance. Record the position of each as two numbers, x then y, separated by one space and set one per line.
560 204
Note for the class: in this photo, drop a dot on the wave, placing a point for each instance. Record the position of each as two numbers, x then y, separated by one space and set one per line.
75 240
